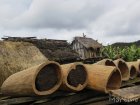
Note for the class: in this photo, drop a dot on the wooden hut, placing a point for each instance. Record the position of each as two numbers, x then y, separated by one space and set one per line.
86 47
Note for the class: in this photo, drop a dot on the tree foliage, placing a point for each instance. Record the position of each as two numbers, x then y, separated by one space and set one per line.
127 53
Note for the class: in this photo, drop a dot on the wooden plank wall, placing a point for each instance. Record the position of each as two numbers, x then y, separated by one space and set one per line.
82 51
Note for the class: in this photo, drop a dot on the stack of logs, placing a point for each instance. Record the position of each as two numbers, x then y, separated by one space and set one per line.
46 78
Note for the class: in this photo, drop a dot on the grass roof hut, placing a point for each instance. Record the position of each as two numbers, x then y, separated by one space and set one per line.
86 47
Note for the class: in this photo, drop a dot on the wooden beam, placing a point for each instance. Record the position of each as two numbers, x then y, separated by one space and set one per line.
72 99
94 100
126 94
130 82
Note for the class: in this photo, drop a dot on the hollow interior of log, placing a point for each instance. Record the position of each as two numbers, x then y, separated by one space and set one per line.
133 72
114 81
139 67
109 63
47 77
77 76
124 69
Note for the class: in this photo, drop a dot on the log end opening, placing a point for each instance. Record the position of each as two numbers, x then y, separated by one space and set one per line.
77 77
114 81
48 78
133 72
109 63
124 70
139 68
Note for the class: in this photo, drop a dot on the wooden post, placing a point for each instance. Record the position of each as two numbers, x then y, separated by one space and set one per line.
42 79
103 78
74 77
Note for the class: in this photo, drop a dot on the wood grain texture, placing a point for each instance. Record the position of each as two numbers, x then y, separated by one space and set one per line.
76 77
103 78
127 94
23 82
122 66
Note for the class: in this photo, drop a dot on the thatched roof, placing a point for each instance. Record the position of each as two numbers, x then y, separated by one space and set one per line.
17 56
88 42
57 50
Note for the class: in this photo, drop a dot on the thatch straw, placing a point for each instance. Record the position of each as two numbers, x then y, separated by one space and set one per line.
54 50
17 56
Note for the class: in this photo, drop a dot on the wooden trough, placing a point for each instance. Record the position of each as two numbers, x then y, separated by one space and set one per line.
74 77
43 79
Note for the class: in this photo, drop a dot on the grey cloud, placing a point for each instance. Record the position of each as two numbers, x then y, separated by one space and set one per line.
112 17
10 9
60 14
101 19
123 20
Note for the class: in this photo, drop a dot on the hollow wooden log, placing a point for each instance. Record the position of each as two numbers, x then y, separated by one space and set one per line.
103 78
74 77
136 64
132 70
122 66
42 79
107 62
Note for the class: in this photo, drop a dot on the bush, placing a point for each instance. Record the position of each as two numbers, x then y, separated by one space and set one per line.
127 53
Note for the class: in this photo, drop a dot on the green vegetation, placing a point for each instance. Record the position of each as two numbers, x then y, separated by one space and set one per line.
127 53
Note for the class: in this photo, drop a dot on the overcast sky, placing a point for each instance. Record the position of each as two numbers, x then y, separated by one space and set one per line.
107 21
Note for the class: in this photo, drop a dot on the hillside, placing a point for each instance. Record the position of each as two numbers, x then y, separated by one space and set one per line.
122 44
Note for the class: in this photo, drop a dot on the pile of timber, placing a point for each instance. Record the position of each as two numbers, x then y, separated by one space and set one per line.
47 77
43 78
